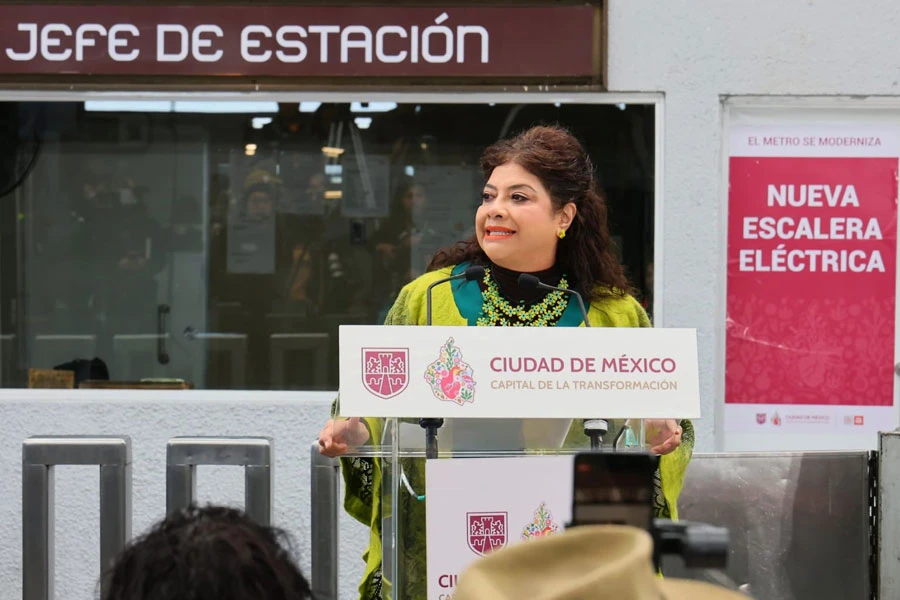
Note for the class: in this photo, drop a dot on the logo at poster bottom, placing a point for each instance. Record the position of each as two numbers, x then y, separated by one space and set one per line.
761 418
487 531
385 371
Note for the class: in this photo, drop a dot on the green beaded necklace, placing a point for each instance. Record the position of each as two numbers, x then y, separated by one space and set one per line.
498 311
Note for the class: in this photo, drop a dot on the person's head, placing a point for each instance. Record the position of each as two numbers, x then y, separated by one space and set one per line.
210 553
409 198
519 225
260 203
259 194
541 207
414 198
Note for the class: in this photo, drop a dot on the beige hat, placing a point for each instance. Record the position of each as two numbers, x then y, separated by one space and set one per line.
260 177
584 563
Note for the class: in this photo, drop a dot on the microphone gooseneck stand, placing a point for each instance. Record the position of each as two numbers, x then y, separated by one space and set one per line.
431 443
530 282
431 425
594 428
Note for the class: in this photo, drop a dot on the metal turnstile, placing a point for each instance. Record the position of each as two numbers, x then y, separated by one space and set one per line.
39 457
799 522
324 490
887 511
185 454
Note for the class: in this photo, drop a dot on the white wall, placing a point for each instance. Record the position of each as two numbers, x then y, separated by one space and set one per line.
151 419
696 52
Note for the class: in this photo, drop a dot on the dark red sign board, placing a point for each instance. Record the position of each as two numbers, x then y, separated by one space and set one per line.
297 41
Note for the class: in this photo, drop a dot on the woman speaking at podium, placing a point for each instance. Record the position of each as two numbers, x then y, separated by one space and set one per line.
540 213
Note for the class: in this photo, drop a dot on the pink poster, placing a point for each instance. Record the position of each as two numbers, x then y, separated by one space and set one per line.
811 287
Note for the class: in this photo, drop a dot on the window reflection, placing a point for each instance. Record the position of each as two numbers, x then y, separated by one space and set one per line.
183 245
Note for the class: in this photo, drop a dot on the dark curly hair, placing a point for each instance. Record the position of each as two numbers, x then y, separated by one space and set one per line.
557 158
209 553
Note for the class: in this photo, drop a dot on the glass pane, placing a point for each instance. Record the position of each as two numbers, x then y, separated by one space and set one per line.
400 451
220 246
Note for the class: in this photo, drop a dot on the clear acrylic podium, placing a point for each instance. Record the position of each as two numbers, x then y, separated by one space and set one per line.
396 455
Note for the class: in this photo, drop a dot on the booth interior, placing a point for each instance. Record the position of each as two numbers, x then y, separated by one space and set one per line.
207 244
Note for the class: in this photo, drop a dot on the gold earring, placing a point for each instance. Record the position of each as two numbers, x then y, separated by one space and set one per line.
561 233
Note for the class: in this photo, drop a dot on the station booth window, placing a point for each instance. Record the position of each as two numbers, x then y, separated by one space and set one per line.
218 244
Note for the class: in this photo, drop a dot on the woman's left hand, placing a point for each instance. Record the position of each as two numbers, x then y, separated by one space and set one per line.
662 435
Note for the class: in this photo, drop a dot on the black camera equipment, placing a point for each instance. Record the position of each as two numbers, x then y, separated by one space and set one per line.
617 488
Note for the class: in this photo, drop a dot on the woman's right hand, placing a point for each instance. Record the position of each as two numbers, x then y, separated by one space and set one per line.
339 435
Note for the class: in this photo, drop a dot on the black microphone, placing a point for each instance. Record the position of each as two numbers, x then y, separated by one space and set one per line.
596 428
530 282
473 273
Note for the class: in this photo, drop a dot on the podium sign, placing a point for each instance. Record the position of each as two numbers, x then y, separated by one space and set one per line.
518 372
529 497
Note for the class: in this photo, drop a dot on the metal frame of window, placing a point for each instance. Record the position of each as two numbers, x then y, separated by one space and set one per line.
527 95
